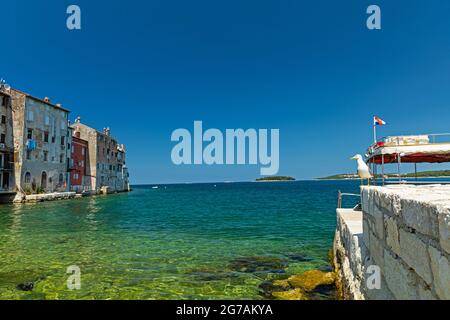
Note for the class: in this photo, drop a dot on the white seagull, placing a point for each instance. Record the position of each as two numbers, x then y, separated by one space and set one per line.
363 169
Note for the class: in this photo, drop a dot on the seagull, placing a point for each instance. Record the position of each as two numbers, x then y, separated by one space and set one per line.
363 169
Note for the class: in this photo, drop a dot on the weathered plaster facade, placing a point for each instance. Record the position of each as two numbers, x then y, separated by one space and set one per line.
79 181
7 183
106 161
41 144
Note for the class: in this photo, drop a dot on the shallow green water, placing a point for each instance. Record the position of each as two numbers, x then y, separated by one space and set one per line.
175 242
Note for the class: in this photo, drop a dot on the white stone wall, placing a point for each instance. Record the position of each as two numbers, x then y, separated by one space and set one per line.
407 232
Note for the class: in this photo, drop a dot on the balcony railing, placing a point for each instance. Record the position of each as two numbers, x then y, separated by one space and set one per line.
341 195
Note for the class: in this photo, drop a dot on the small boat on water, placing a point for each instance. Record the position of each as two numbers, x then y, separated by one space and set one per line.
155 187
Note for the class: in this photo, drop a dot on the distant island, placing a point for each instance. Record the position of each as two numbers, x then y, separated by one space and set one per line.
423 174
275 178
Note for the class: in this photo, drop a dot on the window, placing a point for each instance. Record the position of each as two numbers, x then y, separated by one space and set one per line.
73 149
45 136
30 133
2 101
3 119
63 125
30 115
61 158
45 156
63 140
28 154
2 138
27 177
83 150
47 120
61 178
53 139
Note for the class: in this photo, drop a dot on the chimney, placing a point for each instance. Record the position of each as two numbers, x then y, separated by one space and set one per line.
47 99
78 120
59 105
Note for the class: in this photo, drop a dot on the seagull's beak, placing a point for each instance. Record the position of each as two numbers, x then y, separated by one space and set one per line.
354 158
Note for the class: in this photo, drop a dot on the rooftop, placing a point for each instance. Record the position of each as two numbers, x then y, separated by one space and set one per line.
47 102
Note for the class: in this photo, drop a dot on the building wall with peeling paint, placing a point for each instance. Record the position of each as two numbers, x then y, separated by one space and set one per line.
7 181
106 158
41 144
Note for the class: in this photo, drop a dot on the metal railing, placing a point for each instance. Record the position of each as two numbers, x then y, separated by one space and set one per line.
344 194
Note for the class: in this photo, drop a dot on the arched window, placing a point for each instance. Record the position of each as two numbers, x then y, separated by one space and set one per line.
27 177
44 180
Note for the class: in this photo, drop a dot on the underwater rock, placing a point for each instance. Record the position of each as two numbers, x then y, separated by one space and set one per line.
299 257
26 286
309 280
267 288
214 276
326 269
259 264
324 292
282 284
294 294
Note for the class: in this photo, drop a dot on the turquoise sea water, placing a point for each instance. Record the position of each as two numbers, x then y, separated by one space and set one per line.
192 241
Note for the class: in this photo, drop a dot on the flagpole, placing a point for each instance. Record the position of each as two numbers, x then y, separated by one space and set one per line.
374 132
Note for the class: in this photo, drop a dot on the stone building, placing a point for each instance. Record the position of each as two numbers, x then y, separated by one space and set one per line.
41 144
7 184
79 180
106 163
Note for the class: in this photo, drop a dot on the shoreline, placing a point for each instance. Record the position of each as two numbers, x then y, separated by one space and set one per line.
390 178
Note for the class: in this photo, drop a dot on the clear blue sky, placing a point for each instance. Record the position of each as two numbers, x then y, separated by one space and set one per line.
310 68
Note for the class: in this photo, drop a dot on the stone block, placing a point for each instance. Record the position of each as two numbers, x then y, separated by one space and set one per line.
421 216
392 235
399 278
366 231
389 202
414 253
379 224
425 293
366 200
383 293
441 273
376 250
444 229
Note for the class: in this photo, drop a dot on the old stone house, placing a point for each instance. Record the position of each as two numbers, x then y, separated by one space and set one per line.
106 164
7 184
79 180
41 144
